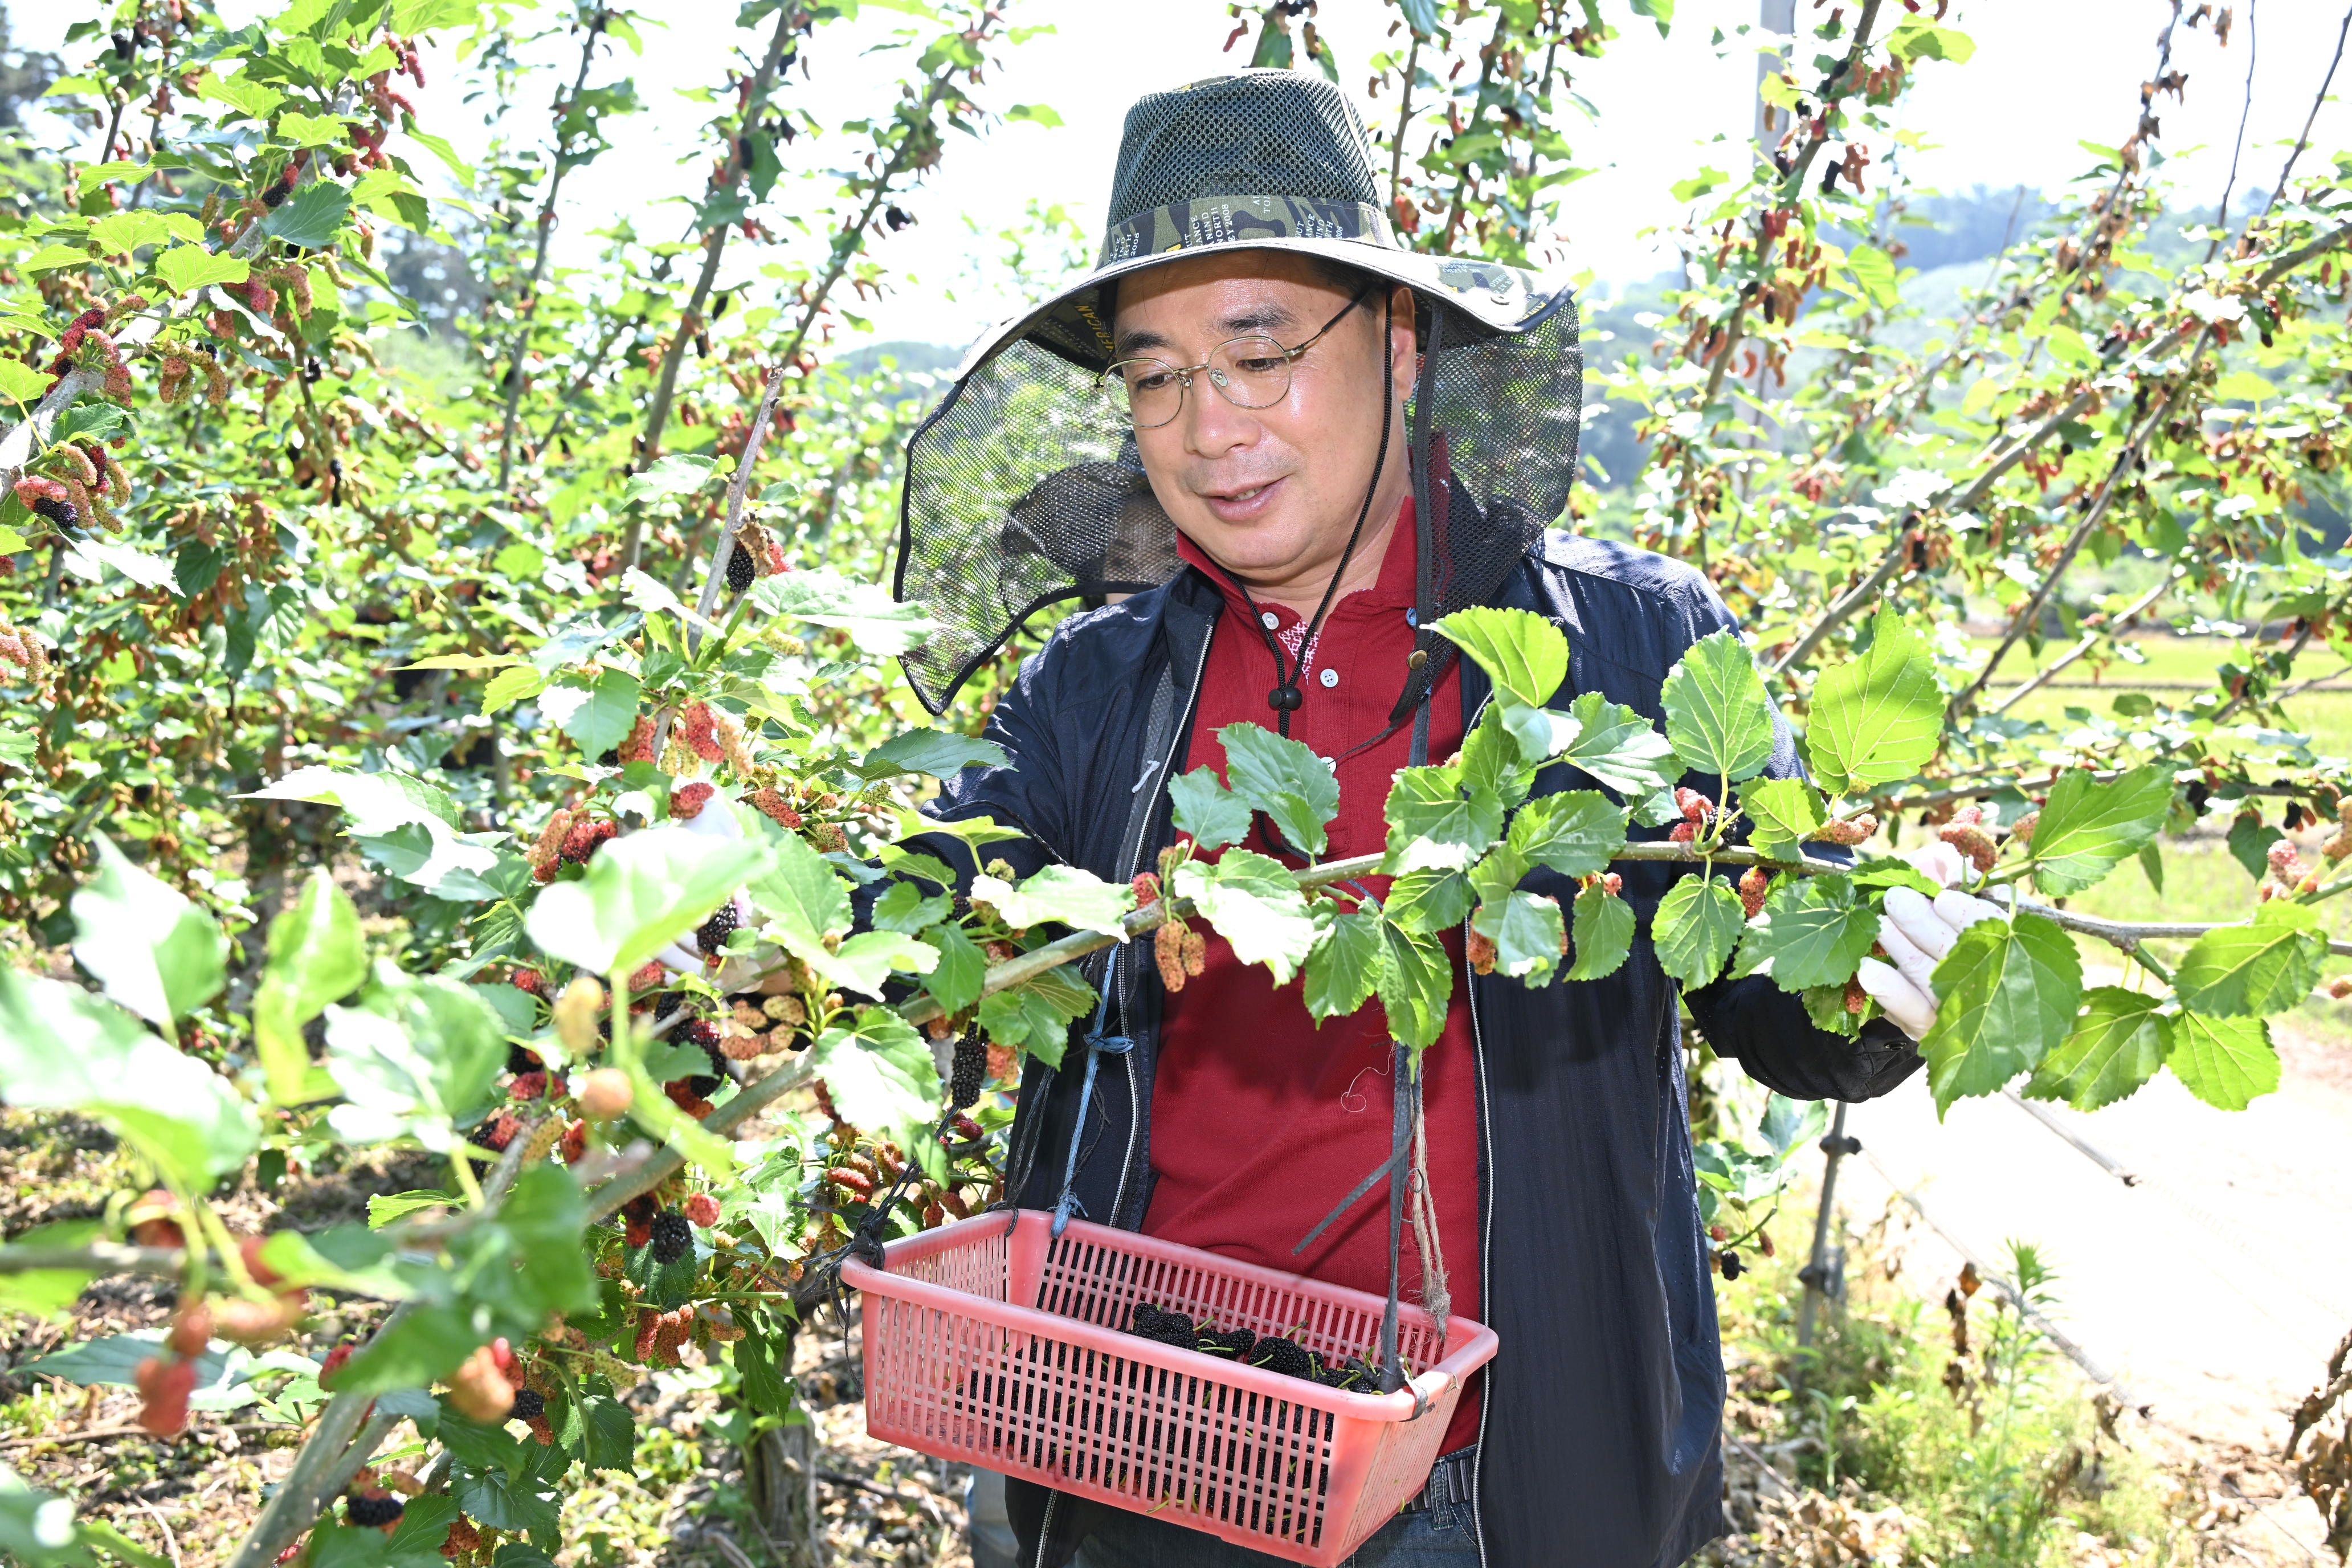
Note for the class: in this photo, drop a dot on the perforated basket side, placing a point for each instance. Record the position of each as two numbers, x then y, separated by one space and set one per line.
1040 1382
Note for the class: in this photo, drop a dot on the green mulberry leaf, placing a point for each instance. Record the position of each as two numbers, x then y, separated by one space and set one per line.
1718 720
1604 933
2009 992
2088 828
1694 930
2117 1044
2228 1063
2265 966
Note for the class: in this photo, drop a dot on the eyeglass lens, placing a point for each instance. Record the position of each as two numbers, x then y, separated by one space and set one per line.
1250 373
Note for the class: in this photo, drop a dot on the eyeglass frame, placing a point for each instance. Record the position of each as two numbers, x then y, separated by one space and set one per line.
1185 373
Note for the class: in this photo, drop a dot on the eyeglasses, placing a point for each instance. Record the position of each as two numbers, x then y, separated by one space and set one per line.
1252 372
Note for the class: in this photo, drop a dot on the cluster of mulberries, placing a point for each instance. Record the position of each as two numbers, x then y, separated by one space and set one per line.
760 1025
1271 1352
2288 873
1182 952
1849 830
1695 809
24 650
1966 833
660 1335
585 839
968 1074
48 498
639 746
686 800
1753 885
546 852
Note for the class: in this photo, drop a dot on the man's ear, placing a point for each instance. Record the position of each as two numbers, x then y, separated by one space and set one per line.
1405 340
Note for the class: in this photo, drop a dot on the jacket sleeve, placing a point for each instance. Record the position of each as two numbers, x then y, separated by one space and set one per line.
1766 1029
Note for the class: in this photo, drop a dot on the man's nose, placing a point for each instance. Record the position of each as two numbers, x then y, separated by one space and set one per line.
1212 425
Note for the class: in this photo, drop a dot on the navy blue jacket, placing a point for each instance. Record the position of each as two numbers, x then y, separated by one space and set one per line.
1599 1428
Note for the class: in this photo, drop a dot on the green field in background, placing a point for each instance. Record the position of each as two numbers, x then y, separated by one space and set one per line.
2325 713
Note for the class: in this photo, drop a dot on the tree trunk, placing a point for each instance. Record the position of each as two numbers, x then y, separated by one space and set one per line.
779 1478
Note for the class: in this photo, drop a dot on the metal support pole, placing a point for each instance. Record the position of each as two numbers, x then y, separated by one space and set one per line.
1815 1274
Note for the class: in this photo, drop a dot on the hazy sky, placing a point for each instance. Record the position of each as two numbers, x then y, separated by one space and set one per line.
2047 74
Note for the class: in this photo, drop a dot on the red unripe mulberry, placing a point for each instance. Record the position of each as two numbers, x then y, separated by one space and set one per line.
702 1209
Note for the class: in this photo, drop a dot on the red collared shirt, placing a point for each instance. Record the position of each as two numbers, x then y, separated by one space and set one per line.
1261 1122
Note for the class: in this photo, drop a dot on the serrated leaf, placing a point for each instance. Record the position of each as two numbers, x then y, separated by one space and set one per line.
2088 828
1718 720
880 1073
1574 832
2228 1063
2009 990
1697 923
311 216
800 887
1812 930
1424 902
1781 815
941 754
1415 986
1602 933
1620 749
184 268
1213 814
1538 734
1255 906
1526 928
598 717
2118 1044
511 686
1490 757
1522 653
2266 965
1283 779
1344 965
864 963
1075 897
955 981
1436 821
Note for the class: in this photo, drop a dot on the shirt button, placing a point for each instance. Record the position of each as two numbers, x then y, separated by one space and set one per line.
1269 620
1329 677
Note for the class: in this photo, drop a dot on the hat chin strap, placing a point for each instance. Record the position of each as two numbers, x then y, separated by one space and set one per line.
1287 695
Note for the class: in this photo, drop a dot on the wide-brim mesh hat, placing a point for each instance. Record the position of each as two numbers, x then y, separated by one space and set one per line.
1025 488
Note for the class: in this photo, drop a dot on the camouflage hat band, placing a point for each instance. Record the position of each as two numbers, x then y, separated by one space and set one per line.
1224 220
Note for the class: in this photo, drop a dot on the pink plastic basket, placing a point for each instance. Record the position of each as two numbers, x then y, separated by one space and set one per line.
1005 1351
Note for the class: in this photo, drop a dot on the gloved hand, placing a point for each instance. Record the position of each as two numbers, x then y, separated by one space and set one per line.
1916 932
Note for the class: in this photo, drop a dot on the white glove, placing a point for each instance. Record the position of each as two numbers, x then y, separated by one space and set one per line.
1916 932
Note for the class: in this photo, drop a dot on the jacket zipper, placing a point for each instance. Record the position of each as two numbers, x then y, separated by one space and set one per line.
1135 866
1485 1208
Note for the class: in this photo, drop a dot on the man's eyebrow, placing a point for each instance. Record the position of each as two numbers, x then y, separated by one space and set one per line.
1136 341
1263 316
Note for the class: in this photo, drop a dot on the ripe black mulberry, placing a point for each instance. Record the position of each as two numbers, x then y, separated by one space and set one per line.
371 1512
673 1236
1238 1341
970 1072
1731 1264
712 934
1278 1354
529 1405
522 1059
58 510
1164 1328
740 569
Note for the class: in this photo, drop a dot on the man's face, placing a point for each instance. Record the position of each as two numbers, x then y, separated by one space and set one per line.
1270 493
